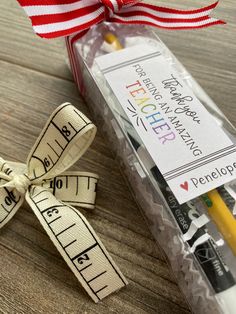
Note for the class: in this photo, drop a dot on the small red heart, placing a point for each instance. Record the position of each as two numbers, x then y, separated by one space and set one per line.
184 186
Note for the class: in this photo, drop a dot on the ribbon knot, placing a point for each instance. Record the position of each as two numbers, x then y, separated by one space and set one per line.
114 6
49 189
110 7
20 182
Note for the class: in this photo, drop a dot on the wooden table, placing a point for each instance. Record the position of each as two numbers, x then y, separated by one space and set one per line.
34 81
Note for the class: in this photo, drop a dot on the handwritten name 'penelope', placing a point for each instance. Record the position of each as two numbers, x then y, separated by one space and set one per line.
140 91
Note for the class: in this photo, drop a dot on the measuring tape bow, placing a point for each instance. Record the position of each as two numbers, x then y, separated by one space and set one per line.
50 191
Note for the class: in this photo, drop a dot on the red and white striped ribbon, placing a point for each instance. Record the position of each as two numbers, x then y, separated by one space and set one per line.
56 18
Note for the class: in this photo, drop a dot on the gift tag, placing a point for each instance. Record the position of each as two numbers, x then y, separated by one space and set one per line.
192 152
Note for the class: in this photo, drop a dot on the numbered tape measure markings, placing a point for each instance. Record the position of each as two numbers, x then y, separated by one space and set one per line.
59 229
43 135
110 268
46 164
47 127
84 252
100 275
52 162
103 251
79 175
50 207
45 203
48 212
75 258
41 161
66 181
57 118
64 141
61 132
57 179
82 255
9 199
76 270
57 218
65 133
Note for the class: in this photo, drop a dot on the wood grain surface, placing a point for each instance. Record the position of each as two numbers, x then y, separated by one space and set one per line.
34 81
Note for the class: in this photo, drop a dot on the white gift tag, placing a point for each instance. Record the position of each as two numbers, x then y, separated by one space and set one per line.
192 152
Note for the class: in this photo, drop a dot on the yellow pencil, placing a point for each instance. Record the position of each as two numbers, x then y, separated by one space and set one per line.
222 216
111 39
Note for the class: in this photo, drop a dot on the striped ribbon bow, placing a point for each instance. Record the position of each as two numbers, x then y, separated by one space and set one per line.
56 18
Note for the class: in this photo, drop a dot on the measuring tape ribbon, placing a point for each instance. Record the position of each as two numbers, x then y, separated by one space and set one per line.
50 191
